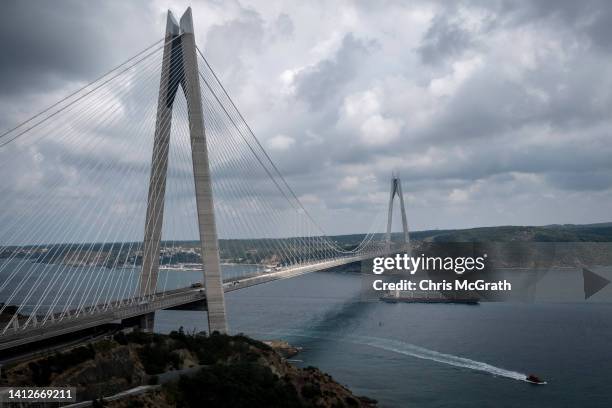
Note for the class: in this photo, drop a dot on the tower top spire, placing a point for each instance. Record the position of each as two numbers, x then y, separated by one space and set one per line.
184 27
172 27
187 22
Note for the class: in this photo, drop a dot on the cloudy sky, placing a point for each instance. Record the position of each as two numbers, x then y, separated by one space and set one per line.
493 112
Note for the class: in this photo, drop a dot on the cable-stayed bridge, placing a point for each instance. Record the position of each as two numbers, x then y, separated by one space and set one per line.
146 190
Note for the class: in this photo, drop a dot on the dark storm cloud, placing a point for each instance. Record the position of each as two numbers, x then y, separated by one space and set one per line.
566 11
444 39
45 44
483 104
582 181
225 43
284 24
591 18
600 28
323 83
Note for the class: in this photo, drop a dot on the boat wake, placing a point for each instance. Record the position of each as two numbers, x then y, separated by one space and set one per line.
412 350
426 354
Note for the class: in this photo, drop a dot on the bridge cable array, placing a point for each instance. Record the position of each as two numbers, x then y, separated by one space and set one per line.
75 199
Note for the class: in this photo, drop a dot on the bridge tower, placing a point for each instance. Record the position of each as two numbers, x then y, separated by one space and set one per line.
396 190
179 67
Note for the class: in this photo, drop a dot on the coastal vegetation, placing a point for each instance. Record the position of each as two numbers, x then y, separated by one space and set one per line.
184 370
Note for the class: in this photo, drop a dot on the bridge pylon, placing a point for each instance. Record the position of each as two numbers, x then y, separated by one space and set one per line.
396 190
180 67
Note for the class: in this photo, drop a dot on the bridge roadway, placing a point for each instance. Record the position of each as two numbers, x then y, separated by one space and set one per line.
117 311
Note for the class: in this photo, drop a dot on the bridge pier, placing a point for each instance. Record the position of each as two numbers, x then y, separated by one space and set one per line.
146 322
142 322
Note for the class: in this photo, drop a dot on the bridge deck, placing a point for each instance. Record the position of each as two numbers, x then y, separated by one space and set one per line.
121 310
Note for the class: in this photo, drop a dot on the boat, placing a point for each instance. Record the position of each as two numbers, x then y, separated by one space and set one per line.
534 379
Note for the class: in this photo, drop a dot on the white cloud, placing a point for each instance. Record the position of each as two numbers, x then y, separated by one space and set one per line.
280 142
377 130
461 70
348 183
458 196
363 113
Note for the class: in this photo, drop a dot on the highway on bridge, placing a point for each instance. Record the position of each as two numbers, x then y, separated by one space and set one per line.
116 312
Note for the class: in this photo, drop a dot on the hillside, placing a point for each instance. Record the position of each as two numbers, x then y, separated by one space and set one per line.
549 233
192 370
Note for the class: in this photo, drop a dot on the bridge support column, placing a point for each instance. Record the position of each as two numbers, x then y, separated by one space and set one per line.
396 190
146 322
180 67
159 165
213 280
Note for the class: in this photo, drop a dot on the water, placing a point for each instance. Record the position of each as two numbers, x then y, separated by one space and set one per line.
421 355
430 355
42 287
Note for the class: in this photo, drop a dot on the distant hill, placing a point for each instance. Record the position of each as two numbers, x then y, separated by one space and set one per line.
601 232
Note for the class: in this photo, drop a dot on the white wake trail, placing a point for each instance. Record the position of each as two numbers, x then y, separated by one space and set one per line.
426 354
412 350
